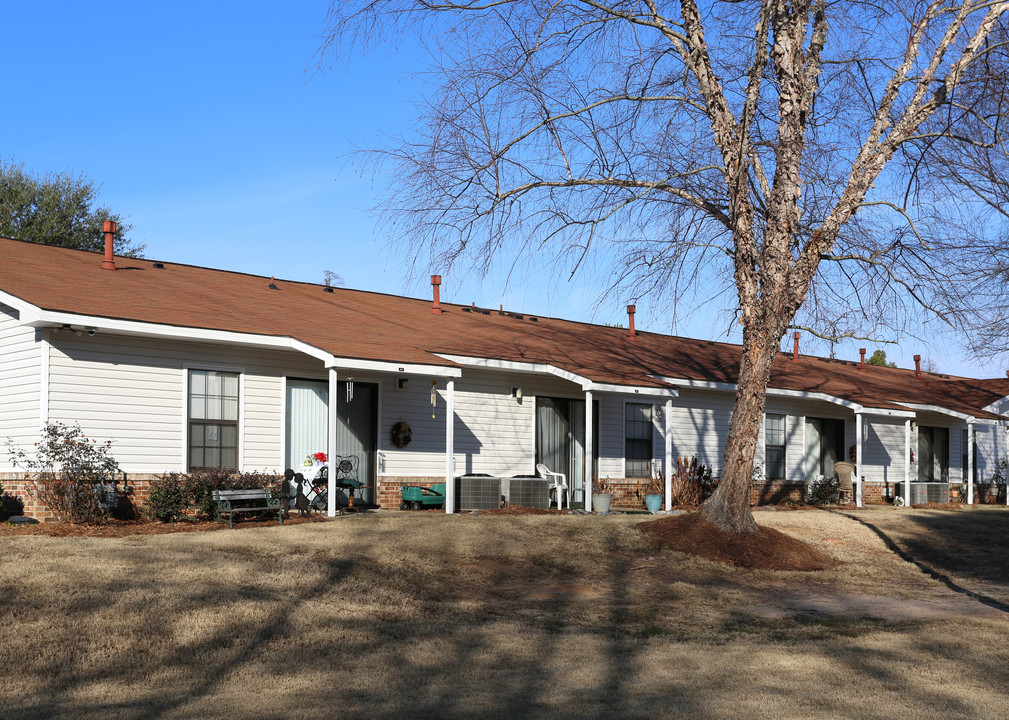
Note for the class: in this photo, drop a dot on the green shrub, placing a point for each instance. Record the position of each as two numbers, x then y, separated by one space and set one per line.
173 494
168 500
823 490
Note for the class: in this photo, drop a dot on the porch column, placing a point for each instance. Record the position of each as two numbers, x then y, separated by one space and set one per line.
907 462
450 446
970 463
589 460
331 443
858 459
669 455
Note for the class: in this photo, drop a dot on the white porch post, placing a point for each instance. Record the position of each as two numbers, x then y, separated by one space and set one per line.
589 460
331 445
907 462
858 459
970 463
669 454
450 446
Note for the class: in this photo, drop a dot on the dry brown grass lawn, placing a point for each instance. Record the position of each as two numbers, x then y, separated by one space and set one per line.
396 615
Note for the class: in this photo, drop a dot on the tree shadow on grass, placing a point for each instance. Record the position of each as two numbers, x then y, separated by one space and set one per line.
502 654
948 545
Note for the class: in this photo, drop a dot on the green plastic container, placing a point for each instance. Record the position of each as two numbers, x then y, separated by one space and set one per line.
415 497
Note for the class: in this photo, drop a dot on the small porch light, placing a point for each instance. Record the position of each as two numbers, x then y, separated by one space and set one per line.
517 393
403 383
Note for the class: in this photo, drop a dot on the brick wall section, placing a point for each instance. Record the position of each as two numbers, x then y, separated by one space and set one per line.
18 493
390 489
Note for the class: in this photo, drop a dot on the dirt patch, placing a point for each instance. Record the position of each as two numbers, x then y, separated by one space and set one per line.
765 549
123 528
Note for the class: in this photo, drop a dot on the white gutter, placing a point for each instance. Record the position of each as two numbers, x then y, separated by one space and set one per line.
32 316
799 394
546 369
959 415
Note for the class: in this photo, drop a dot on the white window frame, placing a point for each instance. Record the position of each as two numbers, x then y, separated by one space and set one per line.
240 371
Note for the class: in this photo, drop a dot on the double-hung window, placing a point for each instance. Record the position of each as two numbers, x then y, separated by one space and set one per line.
774 447
213 420
637 440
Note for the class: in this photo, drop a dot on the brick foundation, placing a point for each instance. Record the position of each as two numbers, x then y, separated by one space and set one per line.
390 489
19 498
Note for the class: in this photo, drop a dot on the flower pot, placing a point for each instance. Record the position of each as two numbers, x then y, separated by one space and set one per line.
653 503
601 503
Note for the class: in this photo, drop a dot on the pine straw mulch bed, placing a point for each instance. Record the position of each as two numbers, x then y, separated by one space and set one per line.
123 528
765 549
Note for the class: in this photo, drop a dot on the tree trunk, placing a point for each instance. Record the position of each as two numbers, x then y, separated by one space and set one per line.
729 506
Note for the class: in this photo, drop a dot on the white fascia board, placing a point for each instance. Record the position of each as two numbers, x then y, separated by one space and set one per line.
540 368
546 369
393 367
283 342
952 413
635 390
888 413
797 394
47 318
771 392
29 313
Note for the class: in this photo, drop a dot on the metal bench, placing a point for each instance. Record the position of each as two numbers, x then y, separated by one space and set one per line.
230 502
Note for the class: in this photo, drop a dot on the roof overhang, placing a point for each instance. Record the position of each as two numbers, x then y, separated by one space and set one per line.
33 316
969 419
584 383
797 394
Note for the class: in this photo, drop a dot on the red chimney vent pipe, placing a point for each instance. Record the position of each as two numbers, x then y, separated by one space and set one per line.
435 286
630 320
109 228
861 363
917 365
795 347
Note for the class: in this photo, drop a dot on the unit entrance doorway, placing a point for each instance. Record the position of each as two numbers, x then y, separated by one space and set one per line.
560 437
307 424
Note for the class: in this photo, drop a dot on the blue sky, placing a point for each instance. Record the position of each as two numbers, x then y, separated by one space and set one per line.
207 125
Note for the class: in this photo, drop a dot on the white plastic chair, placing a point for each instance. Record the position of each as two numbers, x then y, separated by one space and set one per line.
558 484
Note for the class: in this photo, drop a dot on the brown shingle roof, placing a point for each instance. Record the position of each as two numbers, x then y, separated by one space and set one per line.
365 325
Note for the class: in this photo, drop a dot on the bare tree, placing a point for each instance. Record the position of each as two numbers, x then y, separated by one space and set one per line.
825 156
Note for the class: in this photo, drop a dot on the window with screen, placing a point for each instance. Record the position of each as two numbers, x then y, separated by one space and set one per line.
213 420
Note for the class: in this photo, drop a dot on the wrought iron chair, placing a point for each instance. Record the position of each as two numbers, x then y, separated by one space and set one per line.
844 471
346 476
558 485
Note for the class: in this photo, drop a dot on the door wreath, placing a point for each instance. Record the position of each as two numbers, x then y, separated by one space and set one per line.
401 434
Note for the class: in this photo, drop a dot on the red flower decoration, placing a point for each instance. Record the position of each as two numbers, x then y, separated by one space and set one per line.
320 456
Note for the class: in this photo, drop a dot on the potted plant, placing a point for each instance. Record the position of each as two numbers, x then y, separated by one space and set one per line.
653 491
601 497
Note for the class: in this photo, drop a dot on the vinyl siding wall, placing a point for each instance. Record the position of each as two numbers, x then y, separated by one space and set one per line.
20 383
133 391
